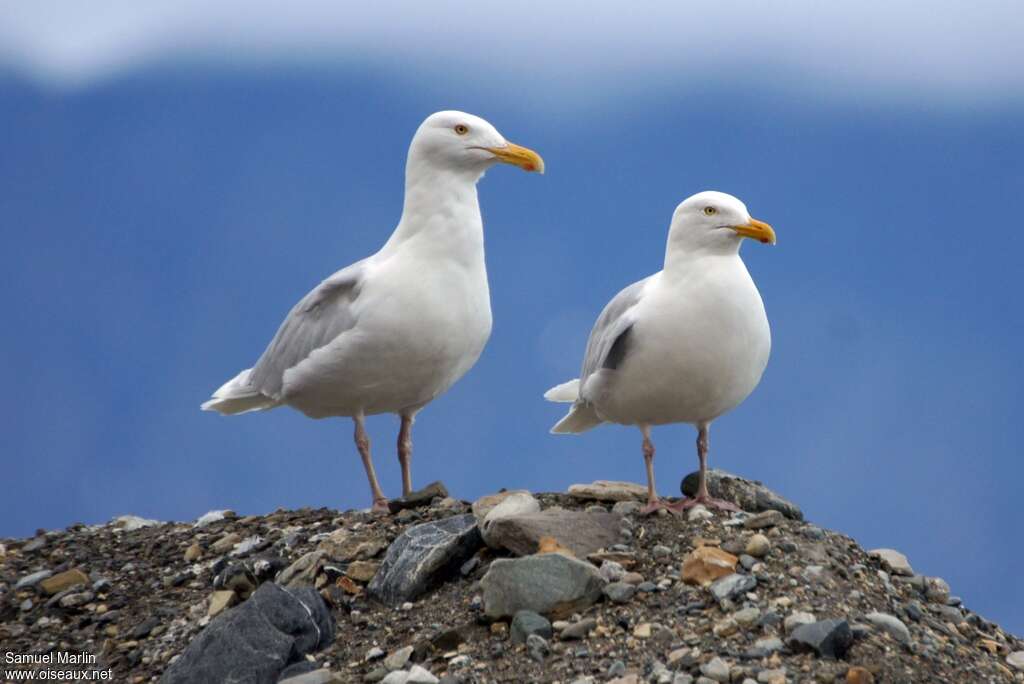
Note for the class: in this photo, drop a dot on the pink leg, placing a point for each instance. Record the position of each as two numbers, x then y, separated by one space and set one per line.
380 502
702 487
405 452
653 502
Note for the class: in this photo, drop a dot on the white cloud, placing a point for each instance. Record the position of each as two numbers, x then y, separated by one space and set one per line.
944 48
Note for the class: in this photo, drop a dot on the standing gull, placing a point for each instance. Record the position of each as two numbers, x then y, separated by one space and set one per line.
390 333
684 345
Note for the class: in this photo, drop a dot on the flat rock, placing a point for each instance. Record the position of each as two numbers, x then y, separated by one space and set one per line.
256 641
513 505
705 564
485 504
29 581
1016 660
551 584
304 570
750 495
763 520
130 523
581 532
826 638
424 556
732 586
418 498
608 490
320 676
64 580
527 622
890 624
897 562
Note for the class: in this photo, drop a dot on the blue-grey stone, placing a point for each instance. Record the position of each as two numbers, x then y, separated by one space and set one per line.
527 622
827 638
423 557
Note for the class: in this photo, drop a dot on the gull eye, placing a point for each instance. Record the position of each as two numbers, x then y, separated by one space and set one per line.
710 211
461 129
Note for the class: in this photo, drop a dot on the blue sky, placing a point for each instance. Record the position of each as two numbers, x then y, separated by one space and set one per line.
169 189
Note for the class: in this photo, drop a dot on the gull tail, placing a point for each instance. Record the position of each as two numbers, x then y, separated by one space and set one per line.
581 417
567 391
238 396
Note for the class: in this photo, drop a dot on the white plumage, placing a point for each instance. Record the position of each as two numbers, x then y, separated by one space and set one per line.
391 332
684 345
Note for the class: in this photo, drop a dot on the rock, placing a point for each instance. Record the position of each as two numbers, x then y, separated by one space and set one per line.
537 647
221 601
747 617
398 659
130 523
1016 660
758 546
29 581
65 580
320 676
211 517
304 570
705 564
936 590
890 624
859 675
612 571
550 584
257 640
627 507
193 552
527 622
716 670
362 571
827 638
515 504
749 495
763 520
485 504
732 586
794 620
418 498
619 592
726 627
643 630
607 490
424 556
698 513
225 543
579 630
76 600
896 561
237 578
581 532
420 675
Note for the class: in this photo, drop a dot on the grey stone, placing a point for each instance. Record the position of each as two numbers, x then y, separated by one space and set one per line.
936 590
579 630
550 584
617 669
527 622
716 670
32 580
608 490
418 498
398 659
827 638
1016 660
420 675
749 495
612 571
764 519
537 647
320 676
627 507
619 592
581 532
424 556
257 640
732 586
304 570
897 562
891 624
794 620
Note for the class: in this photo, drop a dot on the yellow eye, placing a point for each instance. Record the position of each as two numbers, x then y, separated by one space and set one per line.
710 211
461 129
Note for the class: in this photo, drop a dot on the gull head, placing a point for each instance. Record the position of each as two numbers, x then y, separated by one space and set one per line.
715 221
458 141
